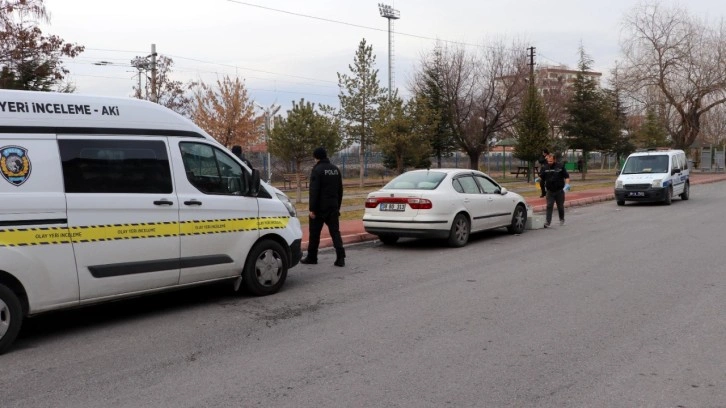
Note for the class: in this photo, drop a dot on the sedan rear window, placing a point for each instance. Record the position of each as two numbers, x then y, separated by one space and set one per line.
417 180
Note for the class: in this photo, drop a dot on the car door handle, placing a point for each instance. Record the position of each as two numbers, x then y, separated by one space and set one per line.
163 202
193 202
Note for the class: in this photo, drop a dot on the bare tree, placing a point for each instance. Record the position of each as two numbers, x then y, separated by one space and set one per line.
683 58
170 93
713 130
482 91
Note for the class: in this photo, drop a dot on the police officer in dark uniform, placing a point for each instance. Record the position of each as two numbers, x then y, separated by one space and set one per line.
543 162
326 197
557 182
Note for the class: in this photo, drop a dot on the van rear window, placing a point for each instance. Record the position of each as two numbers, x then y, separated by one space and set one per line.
115 166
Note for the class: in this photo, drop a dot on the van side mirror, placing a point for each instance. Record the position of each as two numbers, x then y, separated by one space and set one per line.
617 172
252 181
503 191
675 171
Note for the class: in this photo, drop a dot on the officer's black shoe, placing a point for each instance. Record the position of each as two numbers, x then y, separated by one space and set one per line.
308 261
339 262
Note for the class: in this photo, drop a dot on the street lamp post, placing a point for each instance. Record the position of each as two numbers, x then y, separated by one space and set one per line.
389 13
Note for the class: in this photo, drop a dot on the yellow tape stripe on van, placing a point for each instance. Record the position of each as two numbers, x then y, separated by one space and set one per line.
114 232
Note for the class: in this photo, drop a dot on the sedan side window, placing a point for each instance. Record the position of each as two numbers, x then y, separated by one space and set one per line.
469 185
210 170
488 186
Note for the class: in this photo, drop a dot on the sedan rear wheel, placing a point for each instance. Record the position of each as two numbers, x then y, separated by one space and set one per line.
460 229
519 220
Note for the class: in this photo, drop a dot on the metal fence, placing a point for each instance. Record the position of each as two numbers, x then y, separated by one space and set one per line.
499 164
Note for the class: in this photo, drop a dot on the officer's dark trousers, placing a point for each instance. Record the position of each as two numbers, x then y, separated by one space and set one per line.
555 197
316 226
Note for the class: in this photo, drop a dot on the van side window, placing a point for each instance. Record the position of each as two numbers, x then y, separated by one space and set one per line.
211 170
115 166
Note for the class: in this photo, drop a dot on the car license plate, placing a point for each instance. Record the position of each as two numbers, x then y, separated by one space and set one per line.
636 194
393 207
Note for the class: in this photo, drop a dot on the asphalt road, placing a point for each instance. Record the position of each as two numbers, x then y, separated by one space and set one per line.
622 307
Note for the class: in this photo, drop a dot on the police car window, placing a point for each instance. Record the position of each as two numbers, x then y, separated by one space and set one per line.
115 166
210 170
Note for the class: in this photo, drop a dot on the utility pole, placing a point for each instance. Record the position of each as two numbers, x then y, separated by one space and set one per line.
391 14
154 94
269 114
531 61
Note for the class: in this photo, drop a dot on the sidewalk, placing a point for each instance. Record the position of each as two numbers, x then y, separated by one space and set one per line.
353 232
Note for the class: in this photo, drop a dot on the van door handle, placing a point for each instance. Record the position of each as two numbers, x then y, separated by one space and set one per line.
192 202
163 202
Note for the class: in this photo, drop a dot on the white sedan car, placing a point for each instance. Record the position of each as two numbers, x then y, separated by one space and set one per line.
442 203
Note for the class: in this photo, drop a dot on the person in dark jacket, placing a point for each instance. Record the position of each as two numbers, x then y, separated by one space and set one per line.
542 162
556 180
326 197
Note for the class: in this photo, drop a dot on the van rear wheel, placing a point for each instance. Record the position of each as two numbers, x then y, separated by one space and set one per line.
265 269
11 317
686 194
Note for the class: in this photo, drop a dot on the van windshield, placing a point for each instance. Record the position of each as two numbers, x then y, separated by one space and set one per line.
646 164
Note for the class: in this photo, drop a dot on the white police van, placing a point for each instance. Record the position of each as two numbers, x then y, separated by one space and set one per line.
653 176
105 198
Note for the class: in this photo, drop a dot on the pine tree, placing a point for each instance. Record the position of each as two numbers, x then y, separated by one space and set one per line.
360 95
430 91
532 127
401 132
294 137
652 133
591 122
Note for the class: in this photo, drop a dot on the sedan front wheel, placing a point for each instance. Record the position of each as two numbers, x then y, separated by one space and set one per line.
519 220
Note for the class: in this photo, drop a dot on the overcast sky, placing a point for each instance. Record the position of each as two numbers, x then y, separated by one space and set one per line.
291 49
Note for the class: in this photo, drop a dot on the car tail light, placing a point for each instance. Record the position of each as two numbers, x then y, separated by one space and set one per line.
371 202
420 203
414 203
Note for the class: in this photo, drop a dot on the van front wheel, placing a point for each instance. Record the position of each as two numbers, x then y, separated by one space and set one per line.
266 268
11 317
669 196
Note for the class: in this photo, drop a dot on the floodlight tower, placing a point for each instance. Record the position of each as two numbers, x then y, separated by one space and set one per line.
391 14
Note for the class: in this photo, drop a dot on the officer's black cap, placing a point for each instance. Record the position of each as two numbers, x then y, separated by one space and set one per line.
320 153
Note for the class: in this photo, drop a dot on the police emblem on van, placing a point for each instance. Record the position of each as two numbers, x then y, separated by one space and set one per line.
15 164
